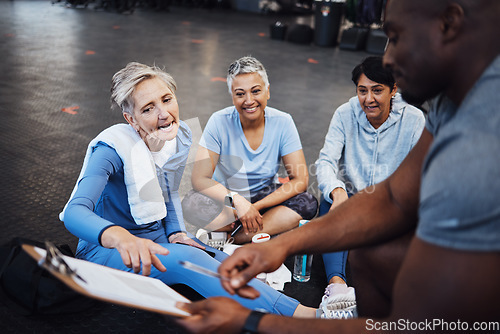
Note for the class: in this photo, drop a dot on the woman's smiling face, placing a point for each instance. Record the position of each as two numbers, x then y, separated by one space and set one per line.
156 112
375 100
250 96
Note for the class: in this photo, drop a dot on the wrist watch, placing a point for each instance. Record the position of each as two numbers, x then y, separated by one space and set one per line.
229 200
252 322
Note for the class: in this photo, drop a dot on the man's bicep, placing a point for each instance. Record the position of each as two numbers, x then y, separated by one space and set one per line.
443 283
404 183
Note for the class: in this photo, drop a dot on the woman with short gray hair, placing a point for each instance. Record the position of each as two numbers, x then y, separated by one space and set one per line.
246 65
235 176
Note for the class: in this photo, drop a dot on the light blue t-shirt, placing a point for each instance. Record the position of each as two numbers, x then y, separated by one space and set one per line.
459 205
240 168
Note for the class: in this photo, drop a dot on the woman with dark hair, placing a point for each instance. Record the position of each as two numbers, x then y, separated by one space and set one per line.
368 138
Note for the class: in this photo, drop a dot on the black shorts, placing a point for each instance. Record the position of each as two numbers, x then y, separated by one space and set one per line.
200 210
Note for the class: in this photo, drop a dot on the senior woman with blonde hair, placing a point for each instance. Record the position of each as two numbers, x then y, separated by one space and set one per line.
125 207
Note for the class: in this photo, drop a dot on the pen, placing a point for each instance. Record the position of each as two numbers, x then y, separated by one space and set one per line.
236 229
201 270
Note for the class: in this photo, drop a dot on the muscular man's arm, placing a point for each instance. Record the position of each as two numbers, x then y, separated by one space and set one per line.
377 213
438 289
436 285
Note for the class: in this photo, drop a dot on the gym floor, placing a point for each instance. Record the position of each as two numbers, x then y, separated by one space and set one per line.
56 66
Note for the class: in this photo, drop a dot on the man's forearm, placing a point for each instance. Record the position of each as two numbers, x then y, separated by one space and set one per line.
356 222
377 213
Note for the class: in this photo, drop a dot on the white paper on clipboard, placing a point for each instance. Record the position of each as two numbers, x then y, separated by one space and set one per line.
117 286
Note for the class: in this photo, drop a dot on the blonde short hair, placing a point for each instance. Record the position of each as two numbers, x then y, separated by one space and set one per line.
125 80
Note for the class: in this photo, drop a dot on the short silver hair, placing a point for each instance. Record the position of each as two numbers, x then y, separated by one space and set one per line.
246 65
126 80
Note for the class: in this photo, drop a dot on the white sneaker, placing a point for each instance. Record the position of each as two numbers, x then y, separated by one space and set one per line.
212 239
340 314
338 297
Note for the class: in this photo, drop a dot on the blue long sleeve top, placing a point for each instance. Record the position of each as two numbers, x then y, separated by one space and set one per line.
101 199
356 155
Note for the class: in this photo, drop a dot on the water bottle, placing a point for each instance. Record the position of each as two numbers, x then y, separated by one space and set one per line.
302 264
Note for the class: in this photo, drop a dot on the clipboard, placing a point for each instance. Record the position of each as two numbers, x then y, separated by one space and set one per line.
108 284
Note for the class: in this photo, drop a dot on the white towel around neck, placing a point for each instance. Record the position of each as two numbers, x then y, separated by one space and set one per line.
144 192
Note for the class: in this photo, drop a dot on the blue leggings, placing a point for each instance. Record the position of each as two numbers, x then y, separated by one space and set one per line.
334 262
270 300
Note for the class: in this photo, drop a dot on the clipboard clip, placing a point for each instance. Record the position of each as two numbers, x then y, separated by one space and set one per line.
54 262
